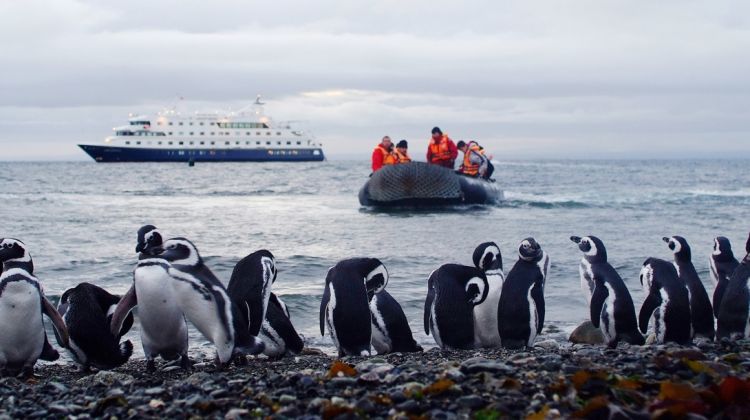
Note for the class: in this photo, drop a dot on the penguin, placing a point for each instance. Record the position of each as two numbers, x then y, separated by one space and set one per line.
23 339
723 263
204 301
250 287
520 312
667 303
487 258
610 305
390 329
345 308
277 332
86 310
734 316
453 291
163 328
701 312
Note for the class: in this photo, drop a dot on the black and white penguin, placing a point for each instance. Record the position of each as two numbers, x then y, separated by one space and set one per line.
610 305
250 287
277 332
723 263
87 310
520 313
163 329
701 313
453 291
345 308
390 328
204 301
734 316
22 302
487 258
667 303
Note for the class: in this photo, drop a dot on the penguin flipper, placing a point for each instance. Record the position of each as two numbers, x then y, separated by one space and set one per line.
649 305
57 321
597 303
721 287
323 307
48 352
121 312
274 300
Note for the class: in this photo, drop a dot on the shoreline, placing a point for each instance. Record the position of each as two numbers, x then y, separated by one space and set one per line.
547 381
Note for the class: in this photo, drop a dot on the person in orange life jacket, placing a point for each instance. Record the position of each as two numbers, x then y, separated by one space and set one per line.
441 150
475 162
402 156
383 154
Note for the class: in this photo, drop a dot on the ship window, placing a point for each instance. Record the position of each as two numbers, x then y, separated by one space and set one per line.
213 142
258 143
237 143
127 142
289 143
226 143
202 133
226 133
159 143
191 133
278 133
247 143
247 134
203 142
268 133
170 123
212 123
181 143
257 133
212 133
191 123
278 143
299 143
191 143
170 143
160 133
221 133
137 142
268 143
180 122
170 133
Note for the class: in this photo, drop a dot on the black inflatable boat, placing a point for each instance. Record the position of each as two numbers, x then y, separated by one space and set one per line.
422 184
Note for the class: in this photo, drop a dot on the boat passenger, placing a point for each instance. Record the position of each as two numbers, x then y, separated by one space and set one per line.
475 162
441 150
402 155
383 154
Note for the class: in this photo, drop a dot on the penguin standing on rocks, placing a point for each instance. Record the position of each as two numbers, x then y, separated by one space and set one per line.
610 304
163 329
345 308
487 258
204 301
277 332
667 303
390 328
701 313
453 291
86 310
22 302
520 313
734 316
723 265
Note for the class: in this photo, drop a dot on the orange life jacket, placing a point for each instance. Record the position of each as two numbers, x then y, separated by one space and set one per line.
469 168
388 157
402 157
440 151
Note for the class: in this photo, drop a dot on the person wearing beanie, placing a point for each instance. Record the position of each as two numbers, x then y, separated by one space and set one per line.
383 154
402 155
441 150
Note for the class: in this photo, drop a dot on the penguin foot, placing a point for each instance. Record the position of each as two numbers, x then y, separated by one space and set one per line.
151 365
185 362
240 360
49 354
27 373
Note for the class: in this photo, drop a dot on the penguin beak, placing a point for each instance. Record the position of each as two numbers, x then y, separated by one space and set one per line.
139 247
665 239
576 239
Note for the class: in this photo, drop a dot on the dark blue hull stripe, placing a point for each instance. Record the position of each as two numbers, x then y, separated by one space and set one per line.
128 154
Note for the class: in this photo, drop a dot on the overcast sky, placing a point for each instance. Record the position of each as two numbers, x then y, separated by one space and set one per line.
528 79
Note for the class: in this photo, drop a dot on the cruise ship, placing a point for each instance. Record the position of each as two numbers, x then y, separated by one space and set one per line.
247 135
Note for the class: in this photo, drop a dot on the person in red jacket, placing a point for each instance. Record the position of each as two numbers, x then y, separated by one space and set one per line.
441 150
383 154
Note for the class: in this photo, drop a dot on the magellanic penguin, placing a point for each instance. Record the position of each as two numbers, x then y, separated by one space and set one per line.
163 329
204 301
667 303
453 291
250 287
701 312
22 302
734 316
277 332
390 328
345 308
487 258
87 310
520 313
610 305
723 265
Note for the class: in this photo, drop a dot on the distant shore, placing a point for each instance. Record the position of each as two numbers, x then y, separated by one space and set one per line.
547 381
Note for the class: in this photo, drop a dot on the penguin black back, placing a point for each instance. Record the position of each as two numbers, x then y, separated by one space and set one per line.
388 315
250 287
734 315
723 264
671 315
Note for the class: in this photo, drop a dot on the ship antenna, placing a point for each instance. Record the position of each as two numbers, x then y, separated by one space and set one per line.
258 102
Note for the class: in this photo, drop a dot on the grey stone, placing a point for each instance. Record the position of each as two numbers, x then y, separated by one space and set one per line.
480 364
586 333
107 378
471 401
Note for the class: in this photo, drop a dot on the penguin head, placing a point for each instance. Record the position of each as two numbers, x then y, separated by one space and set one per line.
476 290
179 251
148 238
13 250
530 250
646 275
376 276
722 249
679 247
487 257
592 247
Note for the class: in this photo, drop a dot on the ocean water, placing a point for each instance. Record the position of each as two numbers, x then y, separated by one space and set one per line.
80 220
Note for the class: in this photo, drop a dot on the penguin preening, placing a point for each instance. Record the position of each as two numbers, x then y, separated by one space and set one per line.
163 328
345 307
667 303
487 257
701 312
611 307
723 263
86 310
453 291
22 302
521 310
277 332
390 328
734 316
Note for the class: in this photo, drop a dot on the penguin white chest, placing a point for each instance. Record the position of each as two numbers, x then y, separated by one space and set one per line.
607 317
380 339
162 321
330 322
533 319
485 314
21 329
587 279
